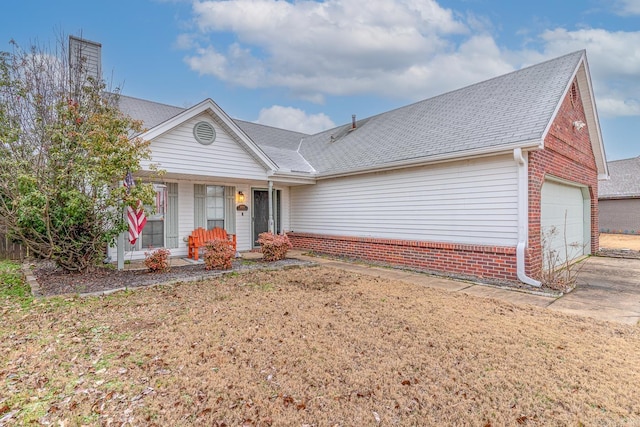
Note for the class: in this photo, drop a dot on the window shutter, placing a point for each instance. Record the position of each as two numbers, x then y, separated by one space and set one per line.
199 205
230 209
171 217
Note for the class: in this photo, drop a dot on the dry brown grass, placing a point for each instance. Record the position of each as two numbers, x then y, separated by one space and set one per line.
620 241
312 346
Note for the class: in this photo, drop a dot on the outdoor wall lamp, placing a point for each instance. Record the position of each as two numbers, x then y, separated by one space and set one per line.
240 197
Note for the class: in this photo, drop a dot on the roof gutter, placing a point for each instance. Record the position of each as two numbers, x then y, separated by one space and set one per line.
523 217
284 177
441 158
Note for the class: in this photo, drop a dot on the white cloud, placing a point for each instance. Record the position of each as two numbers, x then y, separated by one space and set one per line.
294 119
619 107
331 47
237 66
408 49
614 63
627 7
184 42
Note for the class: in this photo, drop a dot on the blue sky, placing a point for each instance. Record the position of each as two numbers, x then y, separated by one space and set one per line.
309 65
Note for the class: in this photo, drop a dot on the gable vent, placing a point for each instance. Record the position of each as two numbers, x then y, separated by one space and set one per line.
204 133
573 94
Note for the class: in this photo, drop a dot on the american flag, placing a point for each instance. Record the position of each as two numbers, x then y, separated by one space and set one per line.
135 217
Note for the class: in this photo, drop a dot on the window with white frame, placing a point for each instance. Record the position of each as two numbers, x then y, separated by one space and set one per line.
215 206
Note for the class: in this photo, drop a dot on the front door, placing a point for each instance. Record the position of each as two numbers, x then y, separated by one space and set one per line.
260 200
260 213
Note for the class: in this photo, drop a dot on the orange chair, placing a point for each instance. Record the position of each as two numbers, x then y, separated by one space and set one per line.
199 237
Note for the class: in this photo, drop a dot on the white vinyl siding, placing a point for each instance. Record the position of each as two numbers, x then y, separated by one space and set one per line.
468 202
243 220
285 211
177 151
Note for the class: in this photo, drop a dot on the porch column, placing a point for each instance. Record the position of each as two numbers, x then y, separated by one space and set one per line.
120 240
271 227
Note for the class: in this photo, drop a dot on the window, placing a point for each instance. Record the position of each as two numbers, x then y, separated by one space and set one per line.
152 235
215 206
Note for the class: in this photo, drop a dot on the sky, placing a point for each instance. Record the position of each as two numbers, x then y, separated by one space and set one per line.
309 65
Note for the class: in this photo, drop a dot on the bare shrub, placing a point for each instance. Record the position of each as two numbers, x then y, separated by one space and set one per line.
559 271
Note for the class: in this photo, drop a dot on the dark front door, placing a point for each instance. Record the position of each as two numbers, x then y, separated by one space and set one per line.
260 213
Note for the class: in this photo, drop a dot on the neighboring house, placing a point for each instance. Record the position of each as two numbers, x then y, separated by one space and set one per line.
619 198
463 183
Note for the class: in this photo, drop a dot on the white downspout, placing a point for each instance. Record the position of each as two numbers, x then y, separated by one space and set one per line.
523 218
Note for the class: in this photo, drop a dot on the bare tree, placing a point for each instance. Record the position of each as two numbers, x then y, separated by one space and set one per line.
64 147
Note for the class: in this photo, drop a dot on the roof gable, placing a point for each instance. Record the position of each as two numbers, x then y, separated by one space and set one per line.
583 77
279 145
225 121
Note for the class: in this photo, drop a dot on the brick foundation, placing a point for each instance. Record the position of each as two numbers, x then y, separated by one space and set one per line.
492 262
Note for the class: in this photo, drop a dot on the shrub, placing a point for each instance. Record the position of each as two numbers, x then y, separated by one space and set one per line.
158 260
274 246
218 254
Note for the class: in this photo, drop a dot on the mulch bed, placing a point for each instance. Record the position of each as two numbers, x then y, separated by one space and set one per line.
55 281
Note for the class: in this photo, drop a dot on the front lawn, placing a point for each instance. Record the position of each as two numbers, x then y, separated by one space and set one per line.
309 346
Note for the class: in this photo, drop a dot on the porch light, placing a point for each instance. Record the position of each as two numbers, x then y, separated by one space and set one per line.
240 197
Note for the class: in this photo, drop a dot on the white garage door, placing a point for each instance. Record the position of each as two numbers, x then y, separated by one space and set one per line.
564 232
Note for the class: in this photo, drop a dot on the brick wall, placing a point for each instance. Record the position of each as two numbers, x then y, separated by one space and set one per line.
568 155
492 262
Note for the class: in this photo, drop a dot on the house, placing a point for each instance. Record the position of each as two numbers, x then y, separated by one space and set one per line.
619 198
465 183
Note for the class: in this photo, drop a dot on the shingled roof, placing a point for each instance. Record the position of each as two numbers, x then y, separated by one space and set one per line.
506 112
150 113
510 109
279 144
624 181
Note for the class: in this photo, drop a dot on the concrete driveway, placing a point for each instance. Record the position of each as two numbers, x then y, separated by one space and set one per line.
608 289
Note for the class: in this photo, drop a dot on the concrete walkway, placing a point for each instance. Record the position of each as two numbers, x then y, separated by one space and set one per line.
608 288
